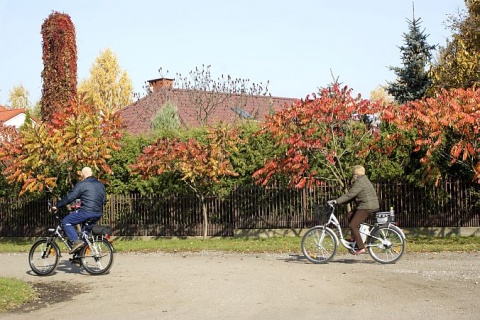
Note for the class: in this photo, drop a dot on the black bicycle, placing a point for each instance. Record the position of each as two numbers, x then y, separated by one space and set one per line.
96 255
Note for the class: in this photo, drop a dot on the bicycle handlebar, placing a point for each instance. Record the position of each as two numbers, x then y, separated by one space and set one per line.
332 203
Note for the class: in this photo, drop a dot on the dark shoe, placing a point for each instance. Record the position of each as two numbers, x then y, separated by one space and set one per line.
76 246
359 251
76 261
352 244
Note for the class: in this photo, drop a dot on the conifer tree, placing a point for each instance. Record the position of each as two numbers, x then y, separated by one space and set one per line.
166 118
412 79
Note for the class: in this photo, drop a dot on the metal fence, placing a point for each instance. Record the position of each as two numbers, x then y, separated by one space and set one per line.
451 204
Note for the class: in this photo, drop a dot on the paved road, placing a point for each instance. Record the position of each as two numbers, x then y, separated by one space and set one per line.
238 286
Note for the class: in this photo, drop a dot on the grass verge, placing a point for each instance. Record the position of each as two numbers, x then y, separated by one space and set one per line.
253 245
14 293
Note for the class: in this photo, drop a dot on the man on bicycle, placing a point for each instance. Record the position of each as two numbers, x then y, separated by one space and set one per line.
365 195
92 196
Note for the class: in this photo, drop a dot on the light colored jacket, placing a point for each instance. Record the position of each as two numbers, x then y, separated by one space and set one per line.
363 192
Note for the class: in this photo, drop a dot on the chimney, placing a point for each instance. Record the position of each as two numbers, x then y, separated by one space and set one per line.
160 83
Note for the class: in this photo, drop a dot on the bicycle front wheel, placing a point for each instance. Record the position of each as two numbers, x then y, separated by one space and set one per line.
98 257
319 244
386 245
44 257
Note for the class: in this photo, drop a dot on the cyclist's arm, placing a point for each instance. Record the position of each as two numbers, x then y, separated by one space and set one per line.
71 196
351 194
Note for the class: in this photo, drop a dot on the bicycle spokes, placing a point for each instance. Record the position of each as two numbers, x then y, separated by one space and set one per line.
49 251
319 245
97 257
386 245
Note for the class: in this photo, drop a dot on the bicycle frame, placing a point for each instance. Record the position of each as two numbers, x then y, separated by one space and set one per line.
385 242
56 233
333 220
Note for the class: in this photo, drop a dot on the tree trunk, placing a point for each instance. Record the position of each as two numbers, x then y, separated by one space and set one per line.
205 216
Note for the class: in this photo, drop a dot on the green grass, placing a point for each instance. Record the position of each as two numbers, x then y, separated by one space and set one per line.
254 245
14 293
282 245
443 244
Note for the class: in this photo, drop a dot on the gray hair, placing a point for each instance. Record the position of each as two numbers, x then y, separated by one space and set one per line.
358 170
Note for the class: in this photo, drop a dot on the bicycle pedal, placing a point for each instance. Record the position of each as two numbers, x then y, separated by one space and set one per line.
75 261
352 245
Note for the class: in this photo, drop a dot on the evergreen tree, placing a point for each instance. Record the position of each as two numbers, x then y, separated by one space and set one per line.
166 118
412 79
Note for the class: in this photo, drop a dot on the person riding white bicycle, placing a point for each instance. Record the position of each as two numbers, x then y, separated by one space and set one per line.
363 192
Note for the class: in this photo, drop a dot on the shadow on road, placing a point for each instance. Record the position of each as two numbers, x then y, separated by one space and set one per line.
303 259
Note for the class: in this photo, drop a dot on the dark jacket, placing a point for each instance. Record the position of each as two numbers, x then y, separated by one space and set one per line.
91 193
363 192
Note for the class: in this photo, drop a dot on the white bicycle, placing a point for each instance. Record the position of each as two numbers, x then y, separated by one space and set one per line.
384 241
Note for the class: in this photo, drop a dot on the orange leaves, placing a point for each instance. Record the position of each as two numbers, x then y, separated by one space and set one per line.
477 172
470 149
321 133
199 164
388 115
10 144
463 150
450 117
76 137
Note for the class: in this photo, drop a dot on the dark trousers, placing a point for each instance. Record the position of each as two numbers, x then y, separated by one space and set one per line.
354 219
77 217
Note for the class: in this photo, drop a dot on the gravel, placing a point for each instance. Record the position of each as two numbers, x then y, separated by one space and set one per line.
217 285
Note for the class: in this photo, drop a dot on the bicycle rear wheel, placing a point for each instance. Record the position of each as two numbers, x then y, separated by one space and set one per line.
386 245
44 257
319 244
98 257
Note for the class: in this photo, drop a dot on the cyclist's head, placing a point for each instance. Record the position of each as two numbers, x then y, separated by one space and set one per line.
86 172
358 170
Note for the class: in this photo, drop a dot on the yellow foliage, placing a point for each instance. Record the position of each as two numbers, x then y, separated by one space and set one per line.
39 154
458 65
109 88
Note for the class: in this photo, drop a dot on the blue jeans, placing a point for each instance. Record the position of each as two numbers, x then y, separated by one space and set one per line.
77 217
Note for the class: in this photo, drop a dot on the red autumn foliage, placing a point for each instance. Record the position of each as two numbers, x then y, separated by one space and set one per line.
40 156
59 72
447 124
323 130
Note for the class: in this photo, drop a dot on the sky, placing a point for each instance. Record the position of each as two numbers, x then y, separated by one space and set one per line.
295 46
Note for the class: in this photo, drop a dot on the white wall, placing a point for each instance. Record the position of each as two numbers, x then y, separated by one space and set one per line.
16 121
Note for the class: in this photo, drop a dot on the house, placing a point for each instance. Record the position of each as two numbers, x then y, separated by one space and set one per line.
196 108
12 117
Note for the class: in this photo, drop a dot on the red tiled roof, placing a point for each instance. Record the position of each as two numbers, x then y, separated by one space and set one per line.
7 114
138 116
